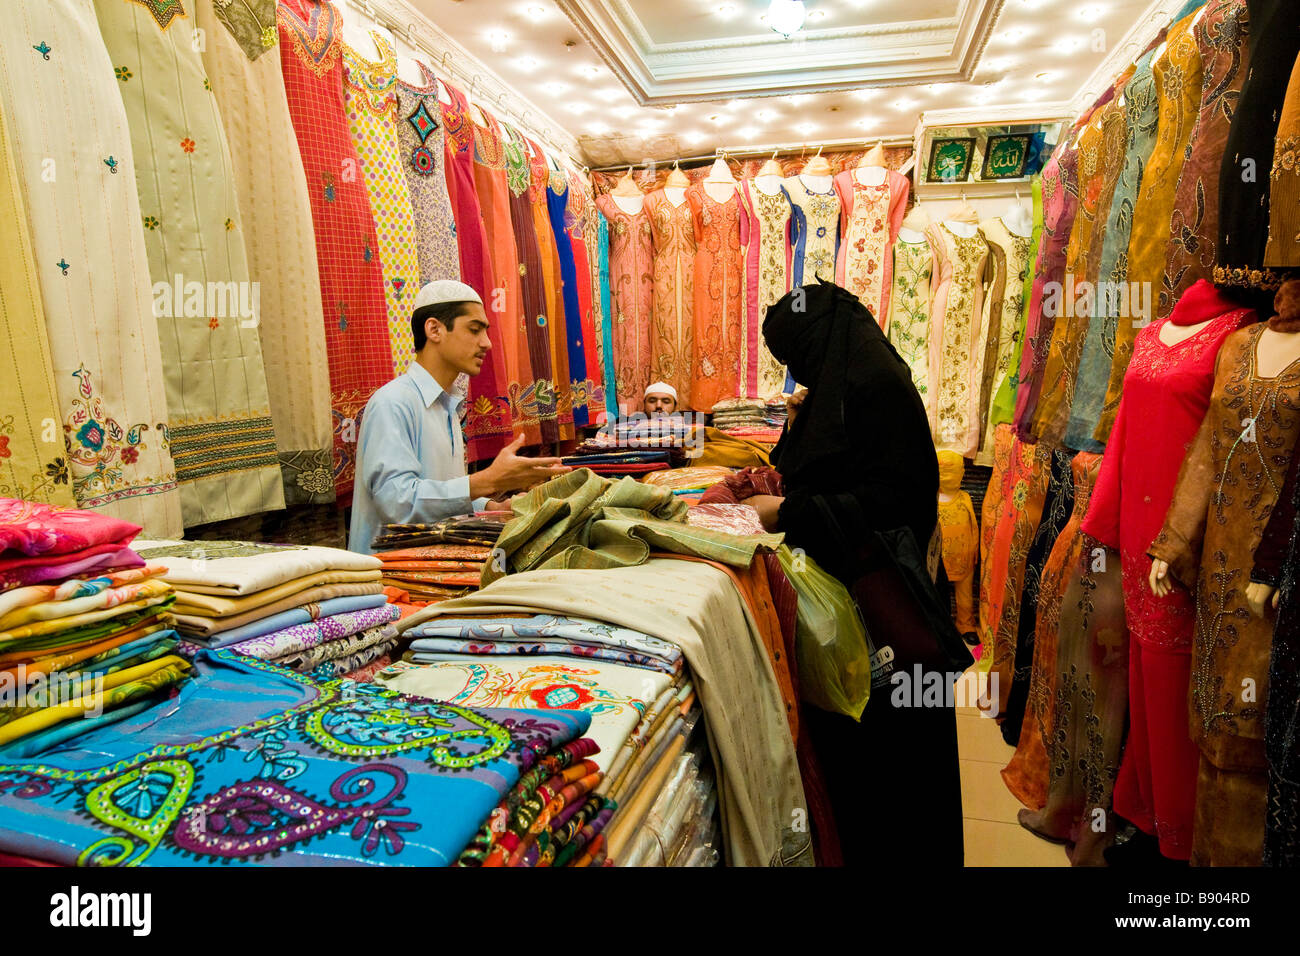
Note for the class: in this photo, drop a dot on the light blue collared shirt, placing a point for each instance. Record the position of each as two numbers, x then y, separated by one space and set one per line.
410 458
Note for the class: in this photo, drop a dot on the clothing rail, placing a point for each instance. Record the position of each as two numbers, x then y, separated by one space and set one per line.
788 149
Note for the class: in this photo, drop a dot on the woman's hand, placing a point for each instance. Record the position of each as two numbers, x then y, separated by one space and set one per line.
1259 596
768 508
793 402
1158 579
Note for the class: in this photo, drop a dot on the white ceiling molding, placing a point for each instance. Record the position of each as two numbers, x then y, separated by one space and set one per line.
1158 15
755 65
1012 114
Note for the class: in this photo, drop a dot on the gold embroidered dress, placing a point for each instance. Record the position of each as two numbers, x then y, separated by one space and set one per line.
956 357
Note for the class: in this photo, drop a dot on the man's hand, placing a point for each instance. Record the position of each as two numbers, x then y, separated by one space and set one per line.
793 403
768 507
510 471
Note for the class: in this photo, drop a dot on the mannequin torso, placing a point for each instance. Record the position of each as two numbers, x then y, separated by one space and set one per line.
816 184
870 175
629 204
966 230
1171 334
675 194
719 192
910 235
1277 351
768 185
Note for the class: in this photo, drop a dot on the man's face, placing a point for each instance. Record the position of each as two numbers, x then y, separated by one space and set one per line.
658 404
466 346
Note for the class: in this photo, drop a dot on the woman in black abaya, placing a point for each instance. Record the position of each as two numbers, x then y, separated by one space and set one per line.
860 482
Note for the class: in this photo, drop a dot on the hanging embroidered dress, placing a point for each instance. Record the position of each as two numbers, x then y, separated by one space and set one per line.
1283 250
1169 384
422 148
1178 86
606 317
814 232
674 298
955 357
539 193
111 447
218 411
870 217
244 69
908 326
370 95
576 223
631 291
1004 304
718 301
764 240
992 575
580 384
1002 407
347 257
1141 113
1226 490
1221 31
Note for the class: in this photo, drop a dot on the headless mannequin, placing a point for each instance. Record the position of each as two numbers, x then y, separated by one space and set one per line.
768 180
409 70
871 171
357 30
675 186
914 226
627 194
1018 219
816 175
720 184
964 222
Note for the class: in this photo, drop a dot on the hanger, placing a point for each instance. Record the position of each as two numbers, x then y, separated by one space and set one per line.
721 171
627 186
677 179
875 156
771 167
819 165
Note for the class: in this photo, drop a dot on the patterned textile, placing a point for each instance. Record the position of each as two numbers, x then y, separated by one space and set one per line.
31 465
606 317
1004 304
103 598
764 225
301 637
677 479
231 568
1283 248
40 530
631 287
219 422
672 344
960 537
738 519
580 205
356 660
247 81
718 310
421 141
1003 405
74 588
341 652
366 673
370 96
580 380
108 372
351 280
277 621
98 560
870 217
255 764
908 322
814 232
956 356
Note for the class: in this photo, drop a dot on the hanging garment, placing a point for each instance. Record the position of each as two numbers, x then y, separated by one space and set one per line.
956 358
111 411
370 95
909 313
674 300
1225 493
577 213
764 240
539 193
870 217
718 310
1060 188
1002 407
351 281
993 576
631 290
218 412
1221 33
606 317
1057 508
1169 384
487 417
1004 303
505 307
537 399
422 148
960 538
1249 151
244 70
814 232
1178 86
580 385
1283 250
1141 112
31 466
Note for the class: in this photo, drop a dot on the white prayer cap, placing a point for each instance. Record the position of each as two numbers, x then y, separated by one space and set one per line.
445 290
660 388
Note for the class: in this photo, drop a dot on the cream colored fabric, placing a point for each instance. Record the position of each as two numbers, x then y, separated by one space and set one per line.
213 605
75 167
696 607
276 215
234 568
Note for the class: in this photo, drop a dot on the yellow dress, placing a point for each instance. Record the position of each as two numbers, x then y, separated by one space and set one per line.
960 538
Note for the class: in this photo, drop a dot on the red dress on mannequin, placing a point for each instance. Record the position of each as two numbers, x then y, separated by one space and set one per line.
1166 393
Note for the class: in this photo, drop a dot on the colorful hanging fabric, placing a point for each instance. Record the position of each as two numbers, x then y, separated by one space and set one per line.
957 290
539 191
1003 405
631 281
718 310
764 229
1004 304
578 202
814 232
108 376
219 422
422 148
347 252
607 319
674 297
244 69
370 96
1283 250
870 217
909 312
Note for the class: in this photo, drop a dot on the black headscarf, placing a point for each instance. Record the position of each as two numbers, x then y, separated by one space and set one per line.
862 426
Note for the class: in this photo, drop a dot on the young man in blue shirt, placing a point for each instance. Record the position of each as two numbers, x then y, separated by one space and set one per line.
411 450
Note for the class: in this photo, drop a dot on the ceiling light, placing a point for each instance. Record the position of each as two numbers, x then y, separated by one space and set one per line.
867 122
786 16
536 11
1030 93
765 116
1045 77
577 106
806 128
747 132
623 112
555 88
598 128
589 71
1000 64
818 14
865 94
1014 35
1034 4
610 93
498 40
720 119
904 104
527 63
1068 44
726 11
1090 13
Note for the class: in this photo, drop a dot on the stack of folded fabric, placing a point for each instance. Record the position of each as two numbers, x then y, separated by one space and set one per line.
308 608
434 572
664 432
754 418
481 529
85 637
618 462
688 483
632 684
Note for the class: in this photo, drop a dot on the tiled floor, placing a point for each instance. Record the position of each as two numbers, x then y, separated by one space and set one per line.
993 837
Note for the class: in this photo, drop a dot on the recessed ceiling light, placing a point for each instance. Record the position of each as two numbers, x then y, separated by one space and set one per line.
726 10
1091 12
536 11
527 63
806 128
623 112
985 95
720 119
589 71
577 106
865 94
1014 35
1000 64
1032 93
904 104
765 116
867 122
692 135
498 39
818 14
747 132
555 88
610 93
1068 44
1045 77
598 128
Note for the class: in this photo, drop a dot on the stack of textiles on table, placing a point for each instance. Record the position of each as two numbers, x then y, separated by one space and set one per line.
85 634
639 432
481 530
754 418
311 609
434 572
256 764
687 484
617 463
643 710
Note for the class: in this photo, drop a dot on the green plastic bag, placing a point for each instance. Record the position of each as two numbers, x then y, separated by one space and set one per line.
830 641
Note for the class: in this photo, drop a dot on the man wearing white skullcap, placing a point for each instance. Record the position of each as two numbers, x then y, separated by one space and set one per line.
411 451
660 399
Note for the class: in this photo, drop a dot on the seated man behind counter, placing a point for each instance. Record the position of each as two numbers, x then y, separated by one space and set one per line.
411 451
